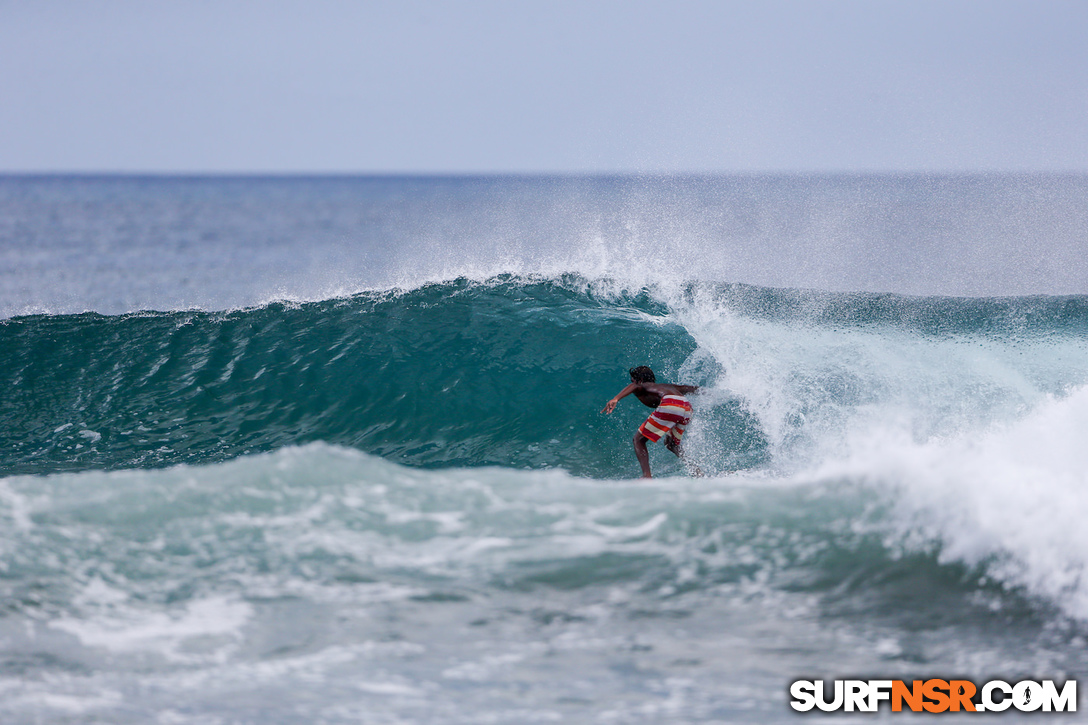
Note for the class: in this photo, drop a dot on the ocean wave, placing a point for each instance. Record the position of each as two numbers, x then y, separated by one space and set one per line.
509 372
1010 500
332 524
512 371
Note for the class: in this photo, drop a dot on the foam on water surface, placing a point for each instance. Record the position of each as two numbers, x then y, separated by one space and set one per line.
323 575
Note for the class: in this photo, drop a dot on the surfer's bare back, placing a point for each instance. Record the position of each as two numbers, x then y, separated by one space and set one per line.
670 418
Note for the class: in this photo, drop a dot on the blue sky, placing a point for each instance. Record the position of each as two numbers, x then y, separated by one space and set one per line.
585 87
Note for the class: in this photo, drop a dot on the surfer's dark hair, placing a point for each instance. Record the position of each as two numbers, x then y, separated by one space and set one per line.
642 374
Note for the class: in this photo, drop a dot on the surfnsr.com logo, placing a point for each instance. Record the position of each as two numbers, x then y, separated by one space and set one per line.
934 696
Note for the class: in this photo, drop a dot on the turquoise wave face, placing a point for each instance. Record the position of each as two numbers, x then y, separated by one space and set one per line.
507 373
510 372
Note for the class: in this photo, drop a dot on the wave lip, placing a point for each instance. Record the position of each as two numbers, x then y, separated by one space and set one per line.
118 244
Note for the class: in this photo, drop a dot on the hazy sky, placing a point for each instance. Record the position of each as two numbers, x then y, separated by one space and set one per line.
552 86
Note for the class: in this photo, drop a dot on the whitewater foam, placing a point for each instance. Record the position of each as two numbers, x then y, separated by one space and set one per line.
813 381
324 568
202 630
1010 500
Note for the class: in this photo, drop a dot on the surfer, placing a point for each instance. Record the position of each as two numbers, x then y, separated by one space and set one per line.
671 415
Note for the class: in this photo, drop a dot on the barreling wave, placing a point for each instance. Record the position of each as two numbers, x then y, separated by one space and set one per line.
509 372
512 371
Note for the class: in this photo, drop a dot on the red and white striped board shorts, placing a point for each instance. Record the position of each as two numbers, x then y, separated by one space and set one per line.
671 417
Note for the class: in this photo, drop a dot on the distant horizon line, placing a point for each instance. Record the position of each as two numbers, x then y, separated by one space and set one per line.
239 174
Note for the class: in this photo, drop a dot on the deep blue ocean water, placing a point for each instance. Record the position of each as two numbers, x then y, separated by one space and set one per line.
329 450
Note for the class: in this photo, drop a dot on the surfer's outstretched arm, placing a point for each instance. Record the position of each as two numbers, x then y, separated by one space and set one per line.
611 405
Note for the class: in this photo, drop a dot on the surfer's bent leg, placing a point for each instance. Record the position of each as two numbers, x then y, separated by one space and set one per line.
642 454
673 444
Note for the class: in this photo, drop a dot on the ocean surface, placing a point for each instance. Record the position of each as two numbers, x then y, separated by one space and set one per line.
329 450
